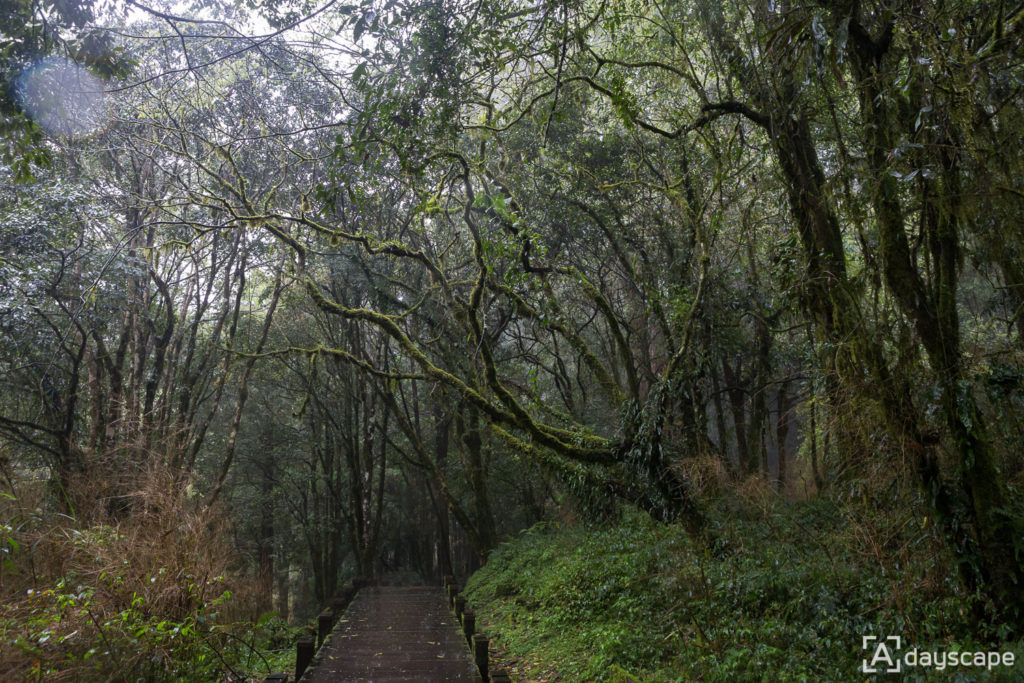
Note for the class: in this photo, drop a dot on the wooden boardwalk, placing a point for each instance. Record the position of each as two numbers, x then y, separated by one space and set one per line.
392 634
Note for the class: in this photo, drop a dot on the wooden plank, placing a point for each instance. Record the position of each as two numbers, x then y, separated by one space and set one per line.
392 634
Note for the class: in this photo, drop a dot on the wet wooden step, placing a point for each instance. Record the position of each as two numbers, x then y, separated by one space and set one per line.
393 634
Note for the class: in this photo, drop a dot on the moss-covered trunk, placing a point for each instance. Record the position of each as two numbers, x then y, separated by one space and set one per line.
927 294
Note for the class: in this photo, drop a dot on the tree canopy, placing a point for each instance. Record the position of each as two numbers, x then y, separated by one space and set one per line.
382 283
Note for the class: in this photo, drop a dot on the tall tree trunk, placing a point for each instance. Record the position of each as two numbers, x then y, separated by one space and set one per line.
283 591
477 474
442 426
783 407
723 439
265 554
737 402
988 556
243 383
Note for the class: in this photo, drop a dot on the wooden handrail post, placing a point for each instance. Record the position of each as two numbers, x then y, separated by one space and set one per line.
460 606
453 590
469 625
323 624
304 650
480 643
340 602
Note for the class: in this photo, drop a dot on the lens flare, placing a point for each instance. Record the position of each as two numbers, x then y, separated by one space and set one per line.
63 97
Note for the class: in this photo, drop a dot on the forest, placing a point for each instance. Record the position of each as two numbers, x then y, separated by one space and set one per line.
688 333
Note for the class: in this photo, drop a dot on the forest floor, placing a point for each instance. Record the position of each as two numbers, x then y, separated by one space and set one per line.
789 594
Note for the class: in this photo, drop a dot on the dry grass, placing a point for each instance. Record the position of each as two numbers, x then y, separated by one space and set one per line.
706 474
101 601
757 493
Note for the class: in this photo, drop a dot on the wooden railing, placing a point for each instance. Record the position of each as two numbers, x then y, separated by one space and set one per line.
478 643
306 648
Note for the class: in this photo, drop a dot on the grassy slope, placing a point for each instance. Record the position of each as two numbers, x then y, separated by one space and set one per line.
789 598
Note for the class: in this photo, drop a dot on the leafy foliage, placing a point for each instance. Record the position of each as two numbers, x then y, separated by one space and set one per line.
637 600
151 599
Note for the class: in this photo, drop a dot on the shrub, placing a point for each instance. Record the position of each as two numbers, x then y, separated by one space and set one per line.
149 597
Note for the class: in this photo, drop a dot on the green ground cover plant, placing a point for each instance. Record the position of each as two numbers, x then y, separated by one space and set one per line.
788 596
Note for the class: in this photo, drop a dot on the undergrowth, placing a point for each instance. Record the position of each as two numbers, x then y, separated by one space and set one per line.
789 598
151 596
